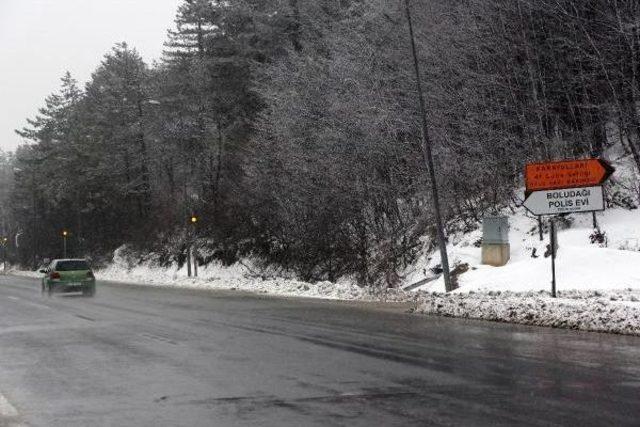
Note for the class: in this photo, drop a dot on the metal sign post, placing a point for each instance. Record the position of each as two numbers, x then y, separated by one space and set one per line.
554 248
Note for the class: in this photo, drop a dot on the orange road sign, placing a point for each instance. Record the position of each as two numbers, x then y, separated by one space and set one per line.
566 174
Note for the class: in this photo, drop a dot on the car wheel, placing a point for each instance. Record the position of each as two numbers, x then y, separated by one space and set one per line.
89 291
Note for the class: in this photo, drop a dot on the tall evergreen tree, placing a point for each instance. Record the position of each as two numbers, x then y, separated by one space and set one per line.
115 106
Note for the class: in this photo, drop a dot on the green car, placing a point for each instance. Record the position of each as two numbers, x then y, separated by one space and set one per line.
69 275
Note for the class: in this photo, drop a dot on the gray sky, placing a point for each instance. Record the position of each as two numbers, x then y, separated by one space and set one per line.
41 39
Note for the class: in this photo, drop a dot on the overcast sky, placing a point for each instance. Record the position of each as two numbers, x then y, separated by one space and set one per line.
41 39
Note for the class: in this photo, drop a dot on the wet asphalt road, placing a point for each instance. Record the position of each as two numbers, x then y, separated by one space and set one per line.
138 356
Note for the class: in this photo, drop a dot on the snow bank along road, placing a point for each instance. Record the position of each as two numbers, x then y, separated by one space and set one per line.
140 356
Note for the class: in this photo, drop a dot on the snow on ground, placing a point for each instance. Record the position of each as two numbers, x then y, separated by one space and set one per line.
240 276
216 276
598 283
615 312
580 265
598 287
24 273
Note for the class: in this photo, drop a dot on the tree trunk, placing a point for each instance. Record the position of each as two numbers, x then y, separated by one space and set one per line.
294 32
216 186
144 166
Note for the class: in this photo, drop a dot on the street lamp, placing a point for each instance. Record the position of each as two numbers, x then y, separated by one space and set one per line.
3 242
65 233
191 254
34 225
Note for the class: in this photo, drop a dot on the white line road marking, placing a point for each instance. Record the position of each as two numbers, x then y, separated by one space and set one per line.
6 408
33 304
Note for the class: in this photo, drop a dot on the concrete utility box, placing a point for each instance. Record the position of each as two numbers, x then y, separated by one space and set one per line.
496 250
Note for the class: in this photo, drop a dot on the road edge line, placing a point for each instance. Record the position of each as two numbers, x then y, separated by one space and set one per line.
9 413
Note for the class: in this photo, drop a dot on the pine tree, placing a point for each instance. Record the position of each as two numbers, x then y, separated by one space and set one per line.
115 107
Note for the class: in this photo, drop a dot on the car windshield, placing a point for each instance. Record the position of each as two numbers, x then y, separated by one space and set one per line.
72 265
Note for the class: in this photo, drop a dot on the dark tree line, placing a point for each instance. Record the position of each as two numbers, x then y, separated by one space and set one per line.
291 128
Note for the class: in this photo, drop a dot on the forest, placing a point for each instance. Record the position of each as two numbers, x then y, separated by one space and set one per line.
292 129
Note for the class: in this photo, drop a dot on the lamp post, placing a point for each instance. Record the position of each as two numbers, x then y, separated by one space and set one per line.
3 242
194 222
34 225
65 233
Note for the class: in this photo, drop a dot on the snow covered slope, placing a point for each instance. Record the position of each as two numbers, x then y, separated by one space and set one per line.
598 283
580 264
240 276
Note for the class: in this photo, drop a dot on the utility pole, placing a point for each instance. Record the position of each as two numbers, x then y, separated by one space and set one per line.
34 232
428 157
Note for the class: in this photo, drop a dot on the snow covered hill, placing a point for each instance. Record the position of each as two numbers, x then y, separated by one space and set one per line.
580 264
242 276
598 280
